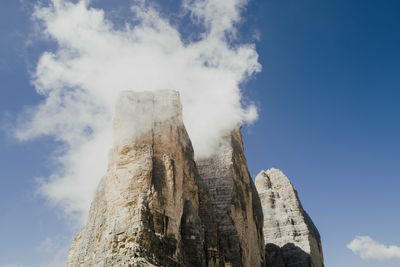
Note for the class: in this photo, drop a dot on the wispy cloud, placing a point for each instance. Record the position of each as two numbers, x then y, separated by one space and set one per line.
369 249
94 61
52 250
55 249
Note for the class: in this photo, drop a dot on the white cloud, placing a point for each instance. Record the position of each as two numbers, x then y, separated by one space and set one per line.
94 61
219 16
369 249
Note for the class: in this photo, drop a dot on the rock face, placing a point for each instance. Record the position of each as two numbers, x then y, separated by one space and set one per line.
236 203
156 206
151 208
291 239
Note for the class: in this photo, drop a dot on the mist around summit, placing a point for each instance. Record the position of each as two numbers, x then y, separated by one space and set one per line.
94 60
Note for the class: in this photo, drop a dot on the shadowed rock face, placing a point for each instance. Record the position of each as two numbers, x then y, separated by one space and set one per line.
146 211
236 203
290 236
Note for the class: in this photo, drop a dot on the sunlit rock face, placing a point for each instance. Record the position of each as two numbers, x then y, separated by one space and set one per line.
157 206
150 209
236 203
291 239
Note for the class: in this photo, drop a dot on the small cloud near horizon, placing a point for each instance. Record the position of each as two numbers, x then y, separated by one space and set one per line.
369 249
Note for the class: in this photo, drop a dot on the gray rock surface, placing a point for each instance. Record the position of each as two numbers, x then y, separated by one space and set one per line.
146 211
291 238
236 203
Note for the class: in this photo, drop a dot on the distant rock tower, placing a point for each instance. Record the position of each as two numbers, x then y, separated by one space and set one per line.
291 239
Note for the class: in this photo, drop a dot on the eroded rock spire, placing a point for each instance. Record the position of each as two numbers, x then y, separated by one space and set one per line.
291 238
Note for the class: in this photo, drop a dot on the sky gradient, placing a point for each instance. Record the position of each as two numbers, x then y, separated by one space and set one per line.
329 118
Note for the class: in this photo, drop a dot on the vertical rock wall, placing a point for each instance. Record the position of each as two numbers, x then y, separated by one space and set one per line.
291 238
236 203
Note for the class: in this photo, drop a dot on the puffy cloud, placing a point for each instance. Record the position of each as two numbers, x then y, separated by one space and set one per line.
369 249
94 61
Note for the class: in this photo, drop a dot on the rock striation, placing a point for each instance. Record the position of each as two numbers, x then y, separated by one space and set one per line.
150 209
236 203
291 238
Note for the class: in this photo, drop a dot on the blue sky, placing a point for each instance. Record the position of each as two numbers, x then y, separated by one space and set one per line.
329 118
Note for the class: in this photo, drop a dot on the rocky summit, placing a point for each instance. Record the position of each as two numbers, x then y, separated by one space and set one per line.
158 206
291 238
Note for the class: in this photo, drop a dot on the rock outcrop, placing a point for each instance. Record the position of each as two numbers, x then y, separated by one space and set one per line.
236 203
157 206
291 238
151 208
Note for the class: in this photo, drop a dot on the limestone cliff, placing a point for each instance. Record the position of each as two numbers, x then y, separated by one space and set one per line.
236 203
156 206
146 211
291 239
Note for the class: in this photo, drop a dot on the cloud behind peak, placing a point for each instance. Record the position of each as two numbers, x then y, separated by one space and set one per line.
94 61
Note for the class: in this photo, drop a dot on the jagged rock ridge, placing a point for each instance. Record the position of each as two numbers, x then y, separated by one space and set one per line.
291 238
